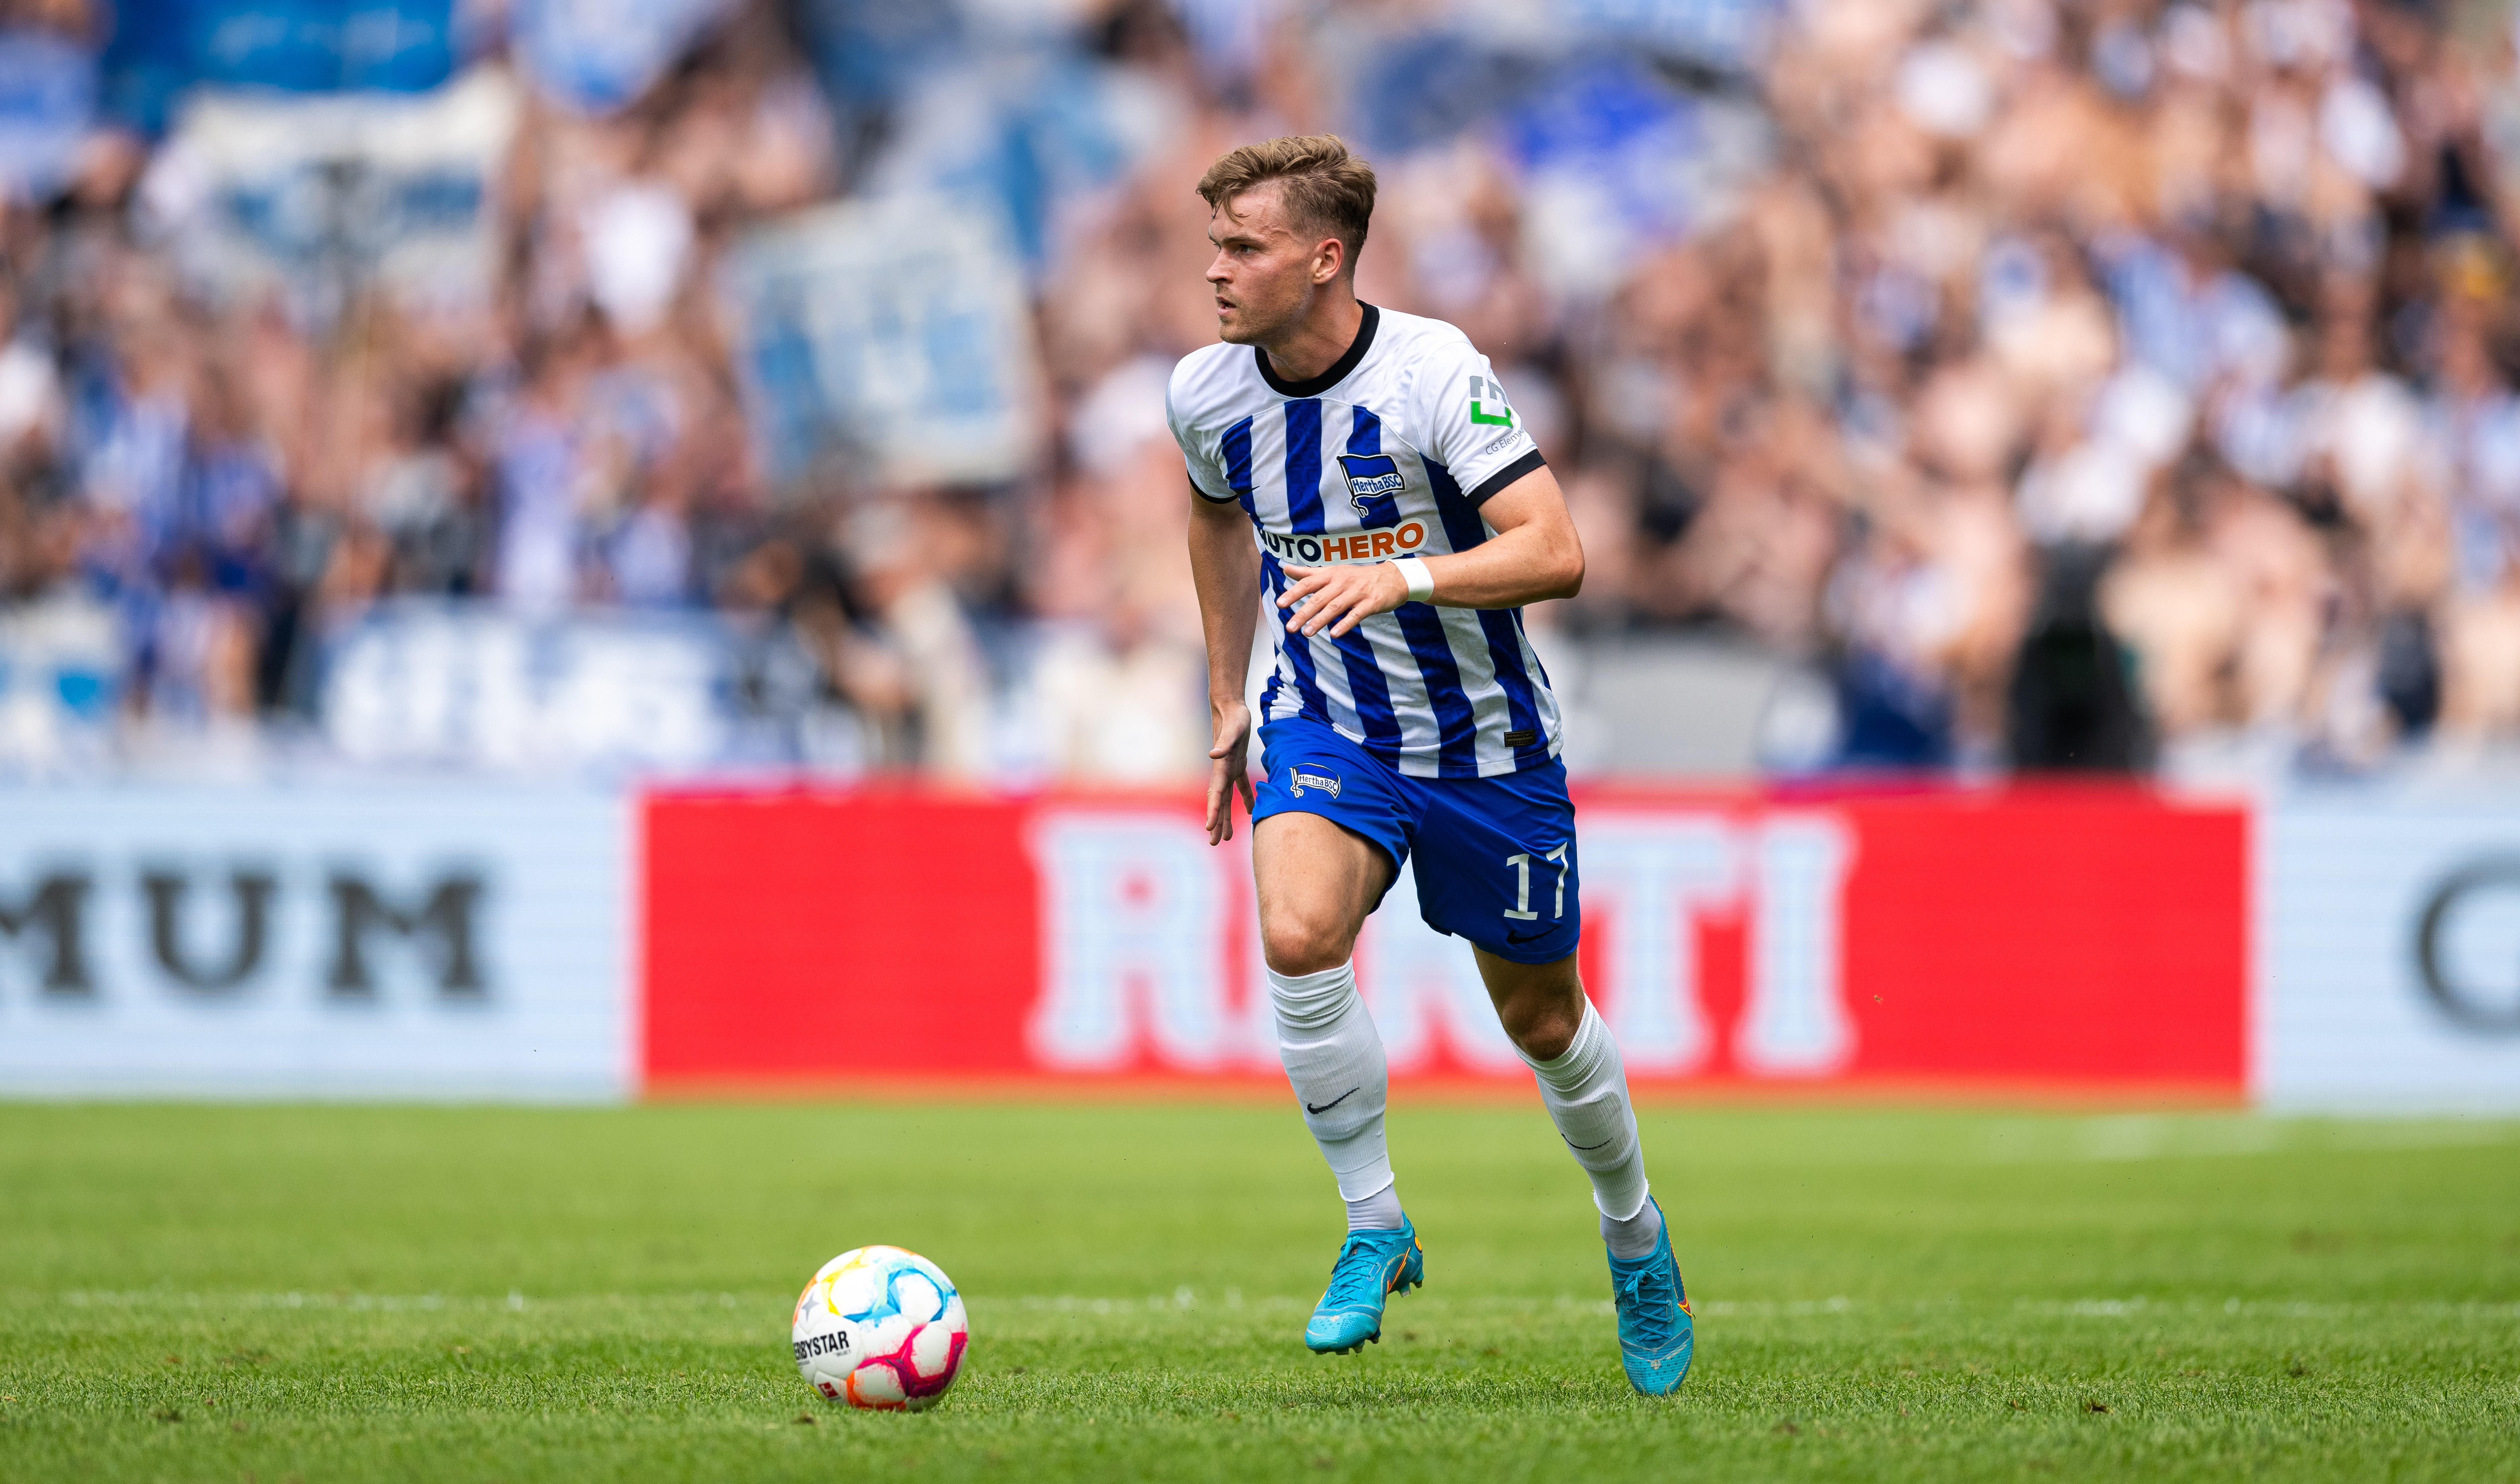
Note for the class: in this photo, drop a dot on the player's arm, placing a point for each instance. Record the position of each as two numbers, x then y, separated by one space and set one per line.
1534 555
1226 567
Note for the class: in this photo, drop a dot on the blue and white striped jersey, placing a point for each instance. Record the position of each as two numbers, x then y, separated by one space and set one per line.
1388 453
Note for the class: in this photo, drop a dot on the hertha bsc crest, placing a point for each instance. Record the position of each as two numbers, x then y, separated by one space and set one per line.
1374 483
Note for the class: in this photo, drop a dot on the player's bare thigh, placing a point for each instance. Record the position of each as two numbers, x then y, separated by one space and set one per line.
1317 883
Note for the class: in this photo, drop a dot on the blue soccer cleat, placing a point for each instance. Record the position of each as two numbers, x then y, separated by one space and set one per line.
1371 1265
1656 1330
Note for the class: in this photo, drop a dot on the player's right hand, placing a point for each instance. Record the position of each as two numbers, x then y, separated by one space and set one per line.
1229 769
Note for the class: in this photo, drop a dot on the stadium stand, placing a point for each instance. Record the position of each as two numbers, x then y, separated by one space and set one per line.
2008 384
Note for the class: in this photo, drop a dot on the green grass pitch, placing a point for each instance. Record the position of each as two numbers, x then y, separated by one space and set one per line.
327 1294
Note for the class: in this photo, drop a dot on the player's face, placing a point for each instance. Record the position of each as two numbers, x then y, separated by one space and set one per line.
1265 272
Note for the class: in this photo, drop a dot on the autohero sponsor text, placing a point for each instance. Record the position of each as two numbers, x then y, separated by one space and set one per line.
1333 550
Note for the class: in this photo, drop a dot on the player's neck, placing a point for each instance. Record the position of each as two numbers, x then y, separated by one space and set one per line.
1314 343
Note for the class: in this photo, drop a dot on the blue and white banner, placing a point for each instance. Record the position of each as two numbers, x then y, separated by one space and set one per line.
331 193
322 46
316 943
162 49
474 688
893 334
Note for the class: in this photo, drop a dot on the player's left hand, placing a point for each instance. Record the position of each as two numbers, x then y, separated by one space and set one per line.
1340 597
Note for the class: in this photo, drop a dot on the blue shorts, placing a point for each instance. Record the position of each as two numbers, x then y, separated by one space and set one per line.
1496 856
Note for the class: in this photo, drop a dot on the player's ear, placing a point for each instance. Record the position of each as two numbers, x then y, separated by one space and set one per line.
1329 258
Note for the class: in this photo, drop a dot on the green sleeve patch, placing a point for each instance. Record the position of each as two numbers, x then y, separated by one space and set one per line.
1484 396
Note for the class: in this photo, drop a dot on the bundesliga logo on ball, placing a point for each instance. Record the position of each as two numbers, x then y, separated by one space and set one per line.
881 1329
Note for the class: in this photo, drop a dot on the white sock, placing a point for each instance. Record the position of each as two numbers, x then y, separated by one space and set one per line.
1635 1237
1378 1212
1586 1091
1333 1058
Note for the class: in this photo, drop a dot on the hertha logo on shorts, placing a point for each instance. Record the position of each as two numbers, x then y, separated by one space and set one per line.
1319 783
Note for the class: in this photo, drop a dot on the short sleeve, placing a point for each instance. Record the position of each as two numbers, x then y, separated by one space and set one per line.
1466 423
1198 459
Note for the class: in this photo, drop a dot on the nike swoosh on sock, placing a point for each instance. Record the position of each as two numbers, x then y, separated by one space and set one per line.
1334 1101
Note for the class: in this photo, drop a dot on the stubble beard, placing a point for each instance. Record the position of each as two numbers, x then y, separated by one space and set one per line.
1250 328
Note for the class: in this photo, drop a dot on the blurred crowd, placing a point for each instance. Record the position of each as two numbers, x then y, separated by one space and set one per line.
2089 380
2069 384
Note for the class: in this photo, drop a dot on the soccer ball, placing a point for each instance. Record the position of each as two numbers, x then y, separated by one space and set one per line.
882 1328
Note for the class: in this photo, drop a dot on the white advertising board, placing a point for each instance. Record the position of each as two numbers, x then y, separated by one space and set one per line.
2388 962
372 941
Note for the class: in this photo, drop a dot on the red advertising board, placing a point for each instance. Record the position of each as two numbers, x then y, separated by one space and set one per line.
2025 938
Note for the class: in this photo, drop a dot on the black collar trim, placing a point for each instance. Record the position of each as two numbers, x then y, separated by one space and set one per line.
1339 370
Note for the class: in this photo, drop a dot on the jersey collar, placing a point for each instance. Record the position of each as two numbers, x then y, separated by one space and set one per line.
1339 371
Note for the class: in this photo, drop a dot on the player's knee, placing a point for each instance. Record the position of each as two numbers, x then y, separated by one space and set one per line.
1542 1028
1305 943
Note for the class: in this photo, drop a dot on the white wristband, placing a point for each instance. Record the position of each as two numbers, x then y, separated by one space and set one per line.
1421 582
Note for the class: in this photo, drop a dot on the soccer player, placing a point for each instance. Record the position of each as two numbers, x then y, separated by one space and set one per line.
1403 517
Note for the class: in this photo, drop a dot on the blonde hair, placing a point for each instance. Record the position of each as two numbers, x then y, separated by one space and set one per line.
1327 185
